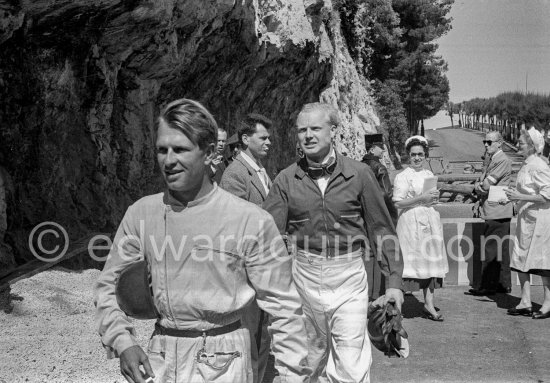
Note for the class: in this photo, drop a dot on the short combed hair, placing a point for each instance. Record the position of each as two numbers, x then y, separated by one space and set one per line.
192 119
417 142
331 111
248 124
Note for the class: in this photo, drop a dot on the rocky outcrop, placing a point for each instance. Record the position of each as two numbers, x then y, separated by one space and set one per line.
82 81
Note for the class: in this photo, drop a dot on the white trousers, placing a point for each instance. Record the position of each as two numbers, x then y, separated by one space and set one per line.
334 294
174 359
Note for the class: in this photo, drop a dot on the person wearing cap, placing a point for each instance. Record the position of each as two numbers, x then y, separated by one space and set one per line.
419 227
532 240
495 257
210 254
331 209
219 163
247 178
374 144
234 147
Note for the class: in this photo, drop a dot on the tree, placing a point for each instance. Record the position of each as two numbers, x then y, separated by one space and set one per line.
392 113
509 110
426 88
422 21
416 62
453 109
372 32
392 40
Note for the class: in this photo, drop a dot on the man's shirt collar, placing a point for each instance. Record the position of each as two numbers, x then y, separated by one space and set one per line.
251 162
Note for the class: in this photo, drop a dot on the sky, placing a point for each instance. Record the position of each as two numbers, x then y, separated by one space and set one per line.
496 46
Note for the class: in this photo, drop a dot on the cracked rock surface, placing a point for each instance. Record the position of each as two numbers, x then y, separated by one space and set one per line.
82 81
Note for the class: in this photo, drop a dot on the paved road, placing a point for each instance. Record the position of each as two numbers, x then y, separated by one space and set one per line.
456 144
477 342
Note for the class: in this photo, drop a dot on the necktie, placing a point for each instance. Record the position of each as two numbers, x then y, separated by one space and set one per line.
317 171
264 177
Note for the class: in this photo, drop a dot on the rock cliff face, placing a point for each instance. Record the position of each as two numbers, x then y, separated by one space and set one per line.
82 81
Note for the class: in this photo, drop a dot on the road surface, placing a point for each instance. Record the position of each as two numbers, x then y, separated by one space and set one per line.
456 144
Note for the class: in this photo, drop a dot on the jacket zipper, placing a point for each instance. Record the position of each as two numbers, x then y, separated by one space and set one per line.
324 210
325 222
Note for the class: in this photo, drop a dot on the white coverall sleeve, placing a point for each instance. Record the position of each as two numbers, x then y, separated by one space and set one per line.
269 269
115 328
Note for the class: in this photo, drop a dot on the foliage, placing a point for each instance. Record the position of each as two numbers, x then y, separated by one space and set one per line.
392 113
425 88
512 107
373 34
393 40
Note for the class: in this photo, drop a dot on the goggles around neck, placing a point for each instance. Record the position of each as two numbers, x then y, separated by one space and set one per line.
317 171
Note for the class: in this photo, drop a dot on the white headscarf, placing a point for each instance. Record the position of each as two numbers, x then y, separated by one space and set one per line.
537 138
419 138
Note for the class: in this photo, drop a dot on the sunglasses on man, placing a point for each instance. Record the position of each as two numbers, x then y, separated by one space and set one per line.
488 142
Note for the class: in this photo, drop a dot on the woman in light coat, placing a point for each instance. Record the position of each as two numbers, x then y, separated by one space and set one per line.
532 196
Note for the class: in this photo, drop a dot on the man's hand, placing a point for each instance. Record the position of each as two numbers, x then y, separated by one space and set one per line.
478 188
130 360
217 160
378 302
396 294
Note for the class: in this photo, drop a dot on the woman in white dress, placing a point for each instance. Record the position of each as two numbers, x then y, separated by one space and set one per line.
419 228
531 254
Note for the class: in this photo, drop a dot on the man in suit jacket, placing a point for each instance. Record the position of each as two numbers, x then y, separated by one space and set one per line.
246 178
495 265
219 163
